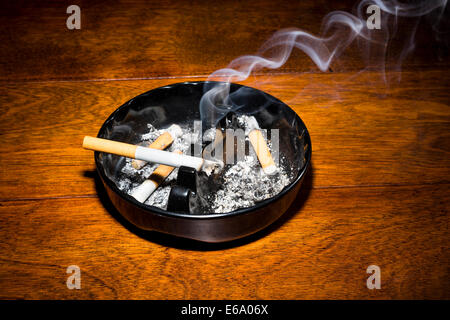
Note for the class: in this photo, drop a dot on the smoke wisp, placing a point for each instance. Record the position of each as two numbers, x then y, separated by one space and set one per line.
339 30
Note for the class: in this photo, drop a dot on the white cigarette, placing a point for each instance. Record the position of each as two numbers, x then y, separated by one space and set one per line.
143 191
150 155
260 146
162 142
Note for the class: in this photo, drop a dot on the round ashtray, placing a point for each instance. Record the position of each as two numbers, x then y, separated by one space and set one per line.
179 103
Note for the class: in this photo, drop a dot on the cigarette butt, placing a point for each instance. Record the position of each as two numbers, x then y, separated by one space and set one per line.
142 192
262 151
162 142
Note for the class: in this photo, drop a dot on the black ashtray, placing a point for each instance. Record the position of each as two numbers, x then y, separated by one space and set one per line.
179 104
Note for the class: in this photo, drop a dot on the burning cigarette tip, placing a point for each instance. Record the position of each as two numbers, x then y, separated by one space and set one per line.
210 167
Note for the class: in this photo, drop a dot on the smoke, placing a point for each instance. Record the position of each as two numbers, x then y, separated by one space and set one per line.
339 30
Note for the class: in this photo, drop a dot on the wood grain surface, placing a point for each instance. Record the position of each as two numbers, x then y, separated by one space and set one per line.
377 192
146 39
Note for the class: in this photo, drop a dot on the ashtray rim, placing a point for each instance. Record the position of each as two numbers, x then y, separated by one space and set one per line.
153 209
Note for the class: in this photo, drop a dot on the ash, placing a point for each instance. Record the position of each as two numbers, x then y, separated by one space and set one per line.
245 184
238 186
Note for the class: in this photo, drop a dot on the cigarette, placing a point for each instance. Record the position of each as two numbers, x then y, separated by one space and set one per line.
260 146
162 142
150 155
143 191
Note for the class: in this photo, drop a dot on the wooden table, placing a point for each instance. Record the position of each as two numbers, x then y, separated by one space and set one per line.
377 192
